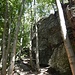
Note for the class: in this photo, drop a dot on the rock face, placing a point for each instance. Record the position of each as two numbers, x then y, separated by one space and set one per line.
51 47
49 35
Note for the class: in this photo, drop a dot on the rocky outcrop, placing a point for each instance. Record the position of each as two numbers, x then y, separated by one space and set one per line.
51 47
49 36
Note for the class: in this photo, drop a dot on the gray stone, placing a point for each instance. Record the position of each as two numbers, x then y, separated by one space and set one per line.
51 47
49 36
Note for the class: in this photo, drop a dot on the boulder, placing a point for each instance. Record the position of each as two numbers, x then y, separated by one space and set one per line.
51 47
49 36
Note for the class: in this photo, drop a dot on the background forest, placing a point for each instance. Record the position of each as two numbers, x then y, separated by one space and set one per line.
20 22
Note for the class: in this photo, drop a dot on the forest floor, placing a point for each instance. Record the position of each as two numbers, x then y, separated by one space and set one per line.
22 68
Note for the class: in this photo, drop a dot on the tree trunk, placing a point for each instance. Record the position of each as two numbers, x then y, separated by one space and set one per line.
30 51
69 50
8 44
12 61
21 40
4 42
37 50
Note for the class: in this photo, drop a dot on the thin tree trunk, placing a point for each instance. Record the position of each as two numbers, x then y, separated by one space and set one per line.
7 50
12 61
37 50
8 45
30 51
68 47
4 42
21 41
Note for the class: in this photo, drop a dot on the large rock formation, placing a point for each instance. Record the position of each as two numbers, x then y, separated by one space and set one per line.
51 47
49 36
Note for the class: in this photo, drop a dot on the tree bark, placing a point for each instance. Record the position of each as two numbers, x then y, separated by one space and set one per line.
37 50
4 42
68 47
21 40
30 51
12 61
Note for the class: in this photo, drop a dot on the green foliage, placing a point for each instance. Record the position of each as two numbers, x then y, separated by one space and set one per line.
42 9
47 1
13 13
28 1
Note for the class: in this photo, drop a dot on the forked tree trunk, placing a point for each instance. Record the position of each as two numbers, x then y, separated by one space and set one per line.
68 47
12 61
4 42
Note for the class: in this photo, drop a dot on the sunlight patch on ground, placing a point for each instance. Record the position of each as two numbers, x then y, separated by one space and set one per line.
43 71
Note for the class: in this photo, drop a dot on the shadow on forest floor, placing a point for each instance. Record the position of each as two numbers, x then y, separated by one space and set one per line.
22 68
